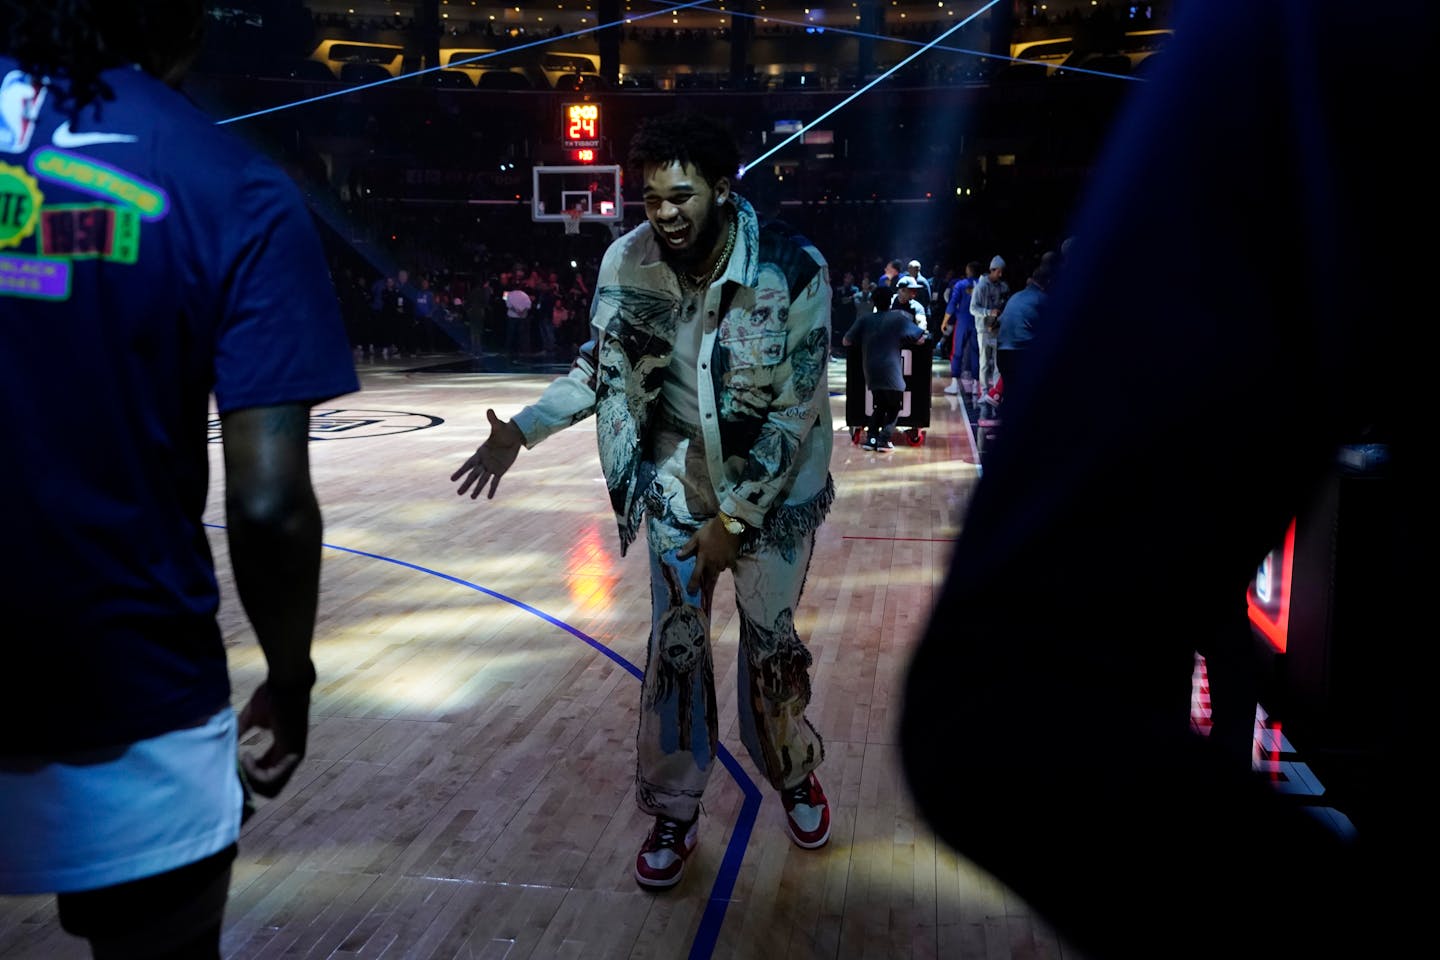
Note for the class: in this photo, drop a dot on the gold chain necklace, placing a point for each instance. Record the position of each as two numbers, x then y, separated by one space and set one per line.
699 283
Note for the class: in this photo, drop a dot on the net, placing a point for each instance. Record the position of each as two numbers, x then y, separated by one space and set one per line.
572 221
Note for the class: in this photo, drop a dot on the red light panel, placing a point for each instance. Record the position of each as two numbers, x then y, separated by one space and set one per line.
580 125
1269 601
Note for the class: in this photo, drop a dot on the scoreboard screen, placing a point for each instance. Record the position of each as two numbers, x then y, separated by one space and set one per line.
580 125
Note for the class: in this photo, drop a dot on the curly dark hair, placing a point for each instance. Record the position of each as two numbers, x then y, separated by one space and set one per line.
689 138
78 39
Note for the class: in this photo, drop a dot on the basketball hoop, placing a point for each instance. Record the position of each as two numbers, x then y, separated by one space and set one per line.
572 221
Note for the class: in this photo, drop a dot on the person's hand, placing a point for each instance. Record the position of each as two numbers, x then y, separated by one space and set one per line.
285 712
714 549
945 328
491 459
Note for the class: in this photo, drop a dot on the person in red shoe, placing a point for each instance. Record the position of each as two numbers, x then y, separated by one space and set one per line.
987 300
706 377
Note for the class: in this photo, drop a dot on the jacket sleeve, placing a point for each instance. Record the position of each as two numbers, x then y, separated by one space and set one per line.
794 409
565 402
571 398
980 298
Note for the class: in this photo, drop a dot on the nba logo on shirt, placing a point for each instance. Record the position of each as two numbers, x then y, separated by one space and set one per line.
20 102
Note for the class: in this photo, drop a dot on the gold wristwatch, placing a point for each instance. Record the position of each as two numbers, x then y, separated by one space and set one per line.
733 525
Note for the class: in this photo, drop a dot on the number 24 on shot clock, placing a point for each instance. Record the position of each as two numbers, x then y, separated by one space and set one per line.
580 125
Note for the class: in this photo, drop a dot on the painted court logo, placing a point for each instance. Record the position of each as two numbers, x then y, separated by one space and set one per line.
332 423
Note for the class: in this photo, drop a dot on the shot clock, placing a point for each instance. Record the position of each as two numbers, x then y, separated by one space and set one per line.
580 126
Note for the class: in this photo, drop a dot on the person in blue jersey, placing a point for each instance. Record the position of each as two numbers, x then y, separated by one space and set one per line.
706 378
1100 552
964 350
147 261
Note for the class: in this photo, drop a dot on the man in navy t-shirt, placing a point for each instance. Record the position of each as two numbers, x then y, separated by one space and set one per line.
167 262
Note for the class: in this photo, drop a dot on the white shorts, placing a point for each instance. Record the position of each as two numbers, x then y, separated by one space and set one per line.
98 818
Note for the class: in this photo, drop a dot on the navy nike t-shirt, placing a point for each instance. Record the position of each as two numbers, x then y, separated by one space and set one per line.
147 261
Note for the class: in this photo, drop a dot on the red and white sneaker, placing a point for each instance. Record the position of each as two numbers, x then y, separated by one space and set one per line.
661 861
807 813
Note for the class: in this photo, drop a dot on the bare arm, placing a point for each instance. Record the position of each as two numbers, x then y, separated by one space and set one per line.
274 530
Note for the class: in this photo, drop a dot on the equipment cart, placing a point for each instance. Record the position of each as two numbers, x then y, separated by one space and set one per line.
914 409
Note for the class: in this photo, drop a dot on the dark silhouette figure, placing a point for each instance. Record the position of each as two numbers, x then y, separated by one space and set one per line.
1046 729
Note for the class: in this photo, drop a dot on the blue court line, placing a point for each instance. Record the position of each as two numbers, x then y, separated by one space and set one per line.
708 933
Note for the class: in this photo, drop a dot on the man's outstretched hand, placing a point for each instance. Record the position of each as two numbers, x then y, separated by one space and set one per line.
491 459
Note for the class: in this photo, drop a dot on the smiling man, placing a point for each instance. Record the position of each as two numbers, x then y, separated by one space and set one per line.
706 379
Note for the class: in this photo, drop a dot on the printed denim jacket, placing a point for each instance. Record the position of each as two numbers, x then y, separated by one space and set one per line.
762 369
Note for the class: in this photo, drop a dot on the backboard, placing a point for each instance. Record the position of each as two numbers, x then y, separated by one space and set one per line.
593 190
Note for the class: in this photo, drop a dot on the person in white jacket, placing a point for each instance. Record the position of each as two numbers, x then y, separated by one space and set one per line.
706 376
986 303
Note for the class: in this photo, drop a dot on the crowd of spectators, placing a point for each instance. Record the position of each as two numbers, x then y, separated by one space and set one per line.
455 292
461 297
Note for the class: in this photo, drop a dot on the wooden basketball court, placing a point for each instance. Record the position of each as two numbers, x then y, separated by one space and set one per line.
468 791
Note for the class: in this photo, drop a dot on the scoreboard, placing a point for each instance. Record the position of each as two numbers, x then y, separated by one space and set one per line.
580 126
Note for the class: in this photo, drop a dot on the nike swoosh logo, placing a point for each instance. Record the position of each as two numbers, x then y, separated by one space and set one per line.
64 138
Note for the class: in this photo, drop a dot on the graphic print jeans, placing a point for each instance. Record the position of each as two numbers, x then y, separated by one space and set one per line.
986 345
678 724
